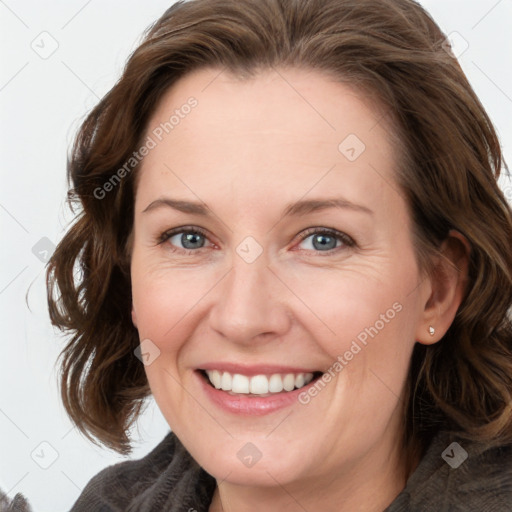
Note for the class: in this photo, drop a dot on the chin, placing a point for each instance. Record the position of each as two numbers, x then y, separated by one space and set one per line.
250 459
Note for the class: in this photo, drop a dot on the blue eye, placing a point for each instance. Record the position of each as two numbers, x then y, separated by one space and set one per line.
190 239
324 240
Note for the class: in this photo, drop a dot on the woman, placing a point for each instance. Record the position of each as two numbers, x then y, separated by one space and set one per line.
292 236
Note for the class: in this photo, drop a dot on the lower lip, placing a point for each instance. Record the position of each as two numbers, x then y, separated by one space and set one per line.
250 405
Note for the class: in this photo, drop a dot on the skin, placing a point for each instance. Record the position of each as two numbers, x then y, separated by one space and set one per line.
247 150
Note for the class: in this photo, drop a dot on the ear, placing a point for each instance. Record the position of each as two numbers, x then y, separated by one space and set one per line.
447 288
134 317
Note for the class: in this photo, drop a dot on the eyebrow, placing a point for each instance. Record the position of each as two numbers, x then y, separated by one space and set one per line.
302 207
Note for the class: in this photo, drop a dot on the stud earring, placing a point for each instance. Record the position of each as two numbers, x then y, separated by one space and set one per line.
431 330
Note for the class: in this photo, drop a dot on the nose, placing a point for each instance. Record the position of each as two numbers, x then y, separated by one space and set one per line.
250 304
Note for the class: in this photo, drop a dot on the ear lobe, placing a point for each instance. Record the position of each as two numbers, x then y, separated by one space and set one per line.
448 286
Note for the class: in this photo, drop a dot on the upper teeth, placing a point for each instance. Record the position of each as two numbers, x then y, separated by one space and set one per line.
258 384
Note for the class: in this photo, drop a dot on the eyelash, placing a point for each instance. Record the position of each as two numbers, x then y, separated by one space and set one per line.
346 240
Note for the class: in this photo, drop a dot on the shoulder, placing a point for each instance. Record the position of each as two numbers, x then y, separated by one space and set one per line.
167 473
459 475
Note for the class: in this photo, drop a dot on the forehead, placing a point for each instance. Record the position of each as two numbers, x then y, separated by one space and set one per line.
289 129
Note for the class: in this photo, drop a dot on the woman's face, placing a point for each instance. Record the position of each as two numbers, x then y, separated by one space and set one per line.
290 255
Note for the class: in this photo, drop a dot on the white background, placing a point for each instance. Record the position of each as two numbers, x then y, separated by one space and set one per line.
42 102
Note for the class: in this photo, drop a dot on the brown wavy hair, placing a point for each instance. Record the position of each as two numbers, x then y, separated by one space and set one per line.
449 166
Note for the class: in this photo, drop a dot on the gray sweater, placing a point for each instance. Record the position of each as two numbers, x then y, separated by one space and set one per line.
168 479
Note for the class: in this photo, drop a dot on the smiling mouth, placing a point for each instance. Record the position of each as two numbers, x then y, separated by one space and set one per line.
257 385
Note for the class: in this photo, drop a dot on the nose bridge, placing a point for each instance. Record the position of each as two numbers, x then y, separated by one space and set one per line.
249 302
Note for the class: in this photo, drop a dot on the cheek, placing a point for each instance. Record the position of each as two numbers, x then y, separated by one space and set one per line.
165 302
357 303
162 296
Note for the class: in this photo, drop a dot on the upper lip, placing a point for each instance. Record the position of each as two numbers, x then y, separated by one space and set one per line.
258 369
